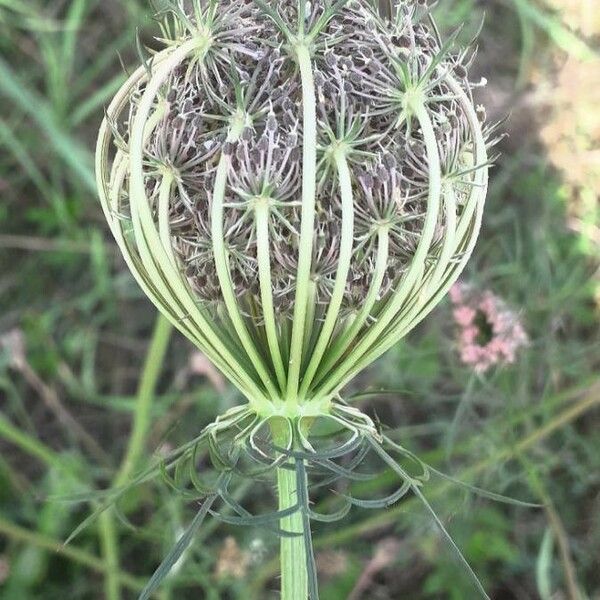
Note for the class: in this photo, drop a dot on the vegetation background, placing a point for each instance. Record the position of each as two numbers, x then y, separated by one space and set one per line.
87 378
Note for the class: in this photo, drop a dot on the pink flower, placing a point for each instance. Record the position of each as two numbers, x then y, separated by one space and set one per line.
464 315
489 333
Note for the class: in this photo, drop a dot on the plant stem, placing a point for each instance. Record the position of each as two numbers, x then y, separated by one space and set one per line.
266 291
110 552
135 449
309 165
294 577
341 277
343 341
161 280
383 329
146 391
221 258
538 485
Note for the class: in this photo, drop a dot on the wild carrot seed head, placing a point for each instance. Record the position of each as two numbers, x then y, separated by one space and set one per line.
297 183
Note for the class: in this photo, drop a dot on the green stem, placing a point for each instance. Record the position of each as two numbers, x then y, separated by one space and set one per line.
309 188
168 287
449 238
345 339
221 257
117 178
33 447
341 277
466 233
294 576
266 291
372 339
164 227
72 553
135 449
385 519
109 547
146 391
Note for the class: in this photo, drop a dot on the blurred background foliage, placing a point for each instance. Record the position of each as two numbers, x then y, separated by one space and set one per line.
82 364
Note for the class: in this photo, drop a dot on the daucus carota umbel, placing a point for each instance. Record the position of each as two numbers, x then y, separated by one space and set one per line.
295 185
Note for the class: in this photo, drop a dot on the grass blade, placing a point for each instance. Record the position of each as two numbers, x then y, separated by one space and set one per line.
74 154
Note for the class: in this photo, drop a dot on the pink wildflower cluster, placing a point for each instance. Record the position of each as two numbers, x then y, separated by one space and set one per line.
489 332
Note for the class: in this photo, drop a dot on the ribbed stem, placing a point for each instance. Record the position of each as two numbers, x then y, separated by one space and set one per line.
294 575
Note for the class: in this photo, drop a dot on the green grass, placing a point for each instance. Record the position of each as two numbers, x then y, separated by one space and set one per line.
530 430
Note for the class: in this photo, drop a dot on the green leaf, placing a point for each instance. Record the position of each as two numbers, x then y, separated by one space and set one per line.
177 551
459 555
484 493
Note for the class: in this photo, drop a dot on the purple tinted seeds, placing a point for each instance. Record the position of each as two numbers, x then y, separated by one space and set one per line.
361 67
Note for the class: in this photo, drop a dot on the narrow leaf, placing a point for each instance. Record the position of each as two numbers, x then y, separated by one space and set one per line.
484 493
459 555
177 551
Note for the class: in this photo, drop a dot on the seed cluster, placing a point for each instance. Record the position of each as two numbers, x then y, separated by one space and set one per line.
365 66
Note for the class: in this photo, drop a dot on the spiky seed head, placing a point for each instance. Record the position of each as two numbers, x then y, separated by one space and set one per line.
294 184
